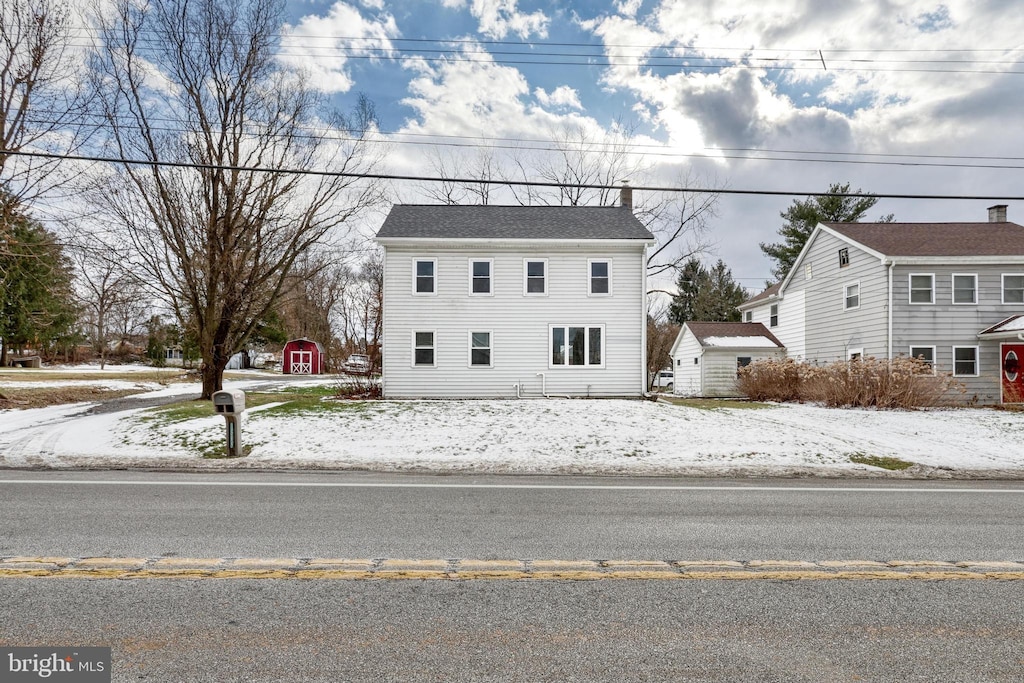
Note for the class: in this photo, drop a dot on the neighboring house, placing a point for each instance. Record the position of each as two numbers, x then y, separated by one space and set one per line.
507 301
707 357
239 361
302 357
950 293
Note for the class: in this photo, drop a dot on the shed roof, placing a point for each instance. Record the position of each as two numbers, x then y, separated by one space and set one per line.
936 239
733 335
430 221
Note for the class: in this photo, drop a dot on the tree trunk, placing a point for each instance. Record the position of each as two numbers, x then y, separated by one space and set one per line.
213 377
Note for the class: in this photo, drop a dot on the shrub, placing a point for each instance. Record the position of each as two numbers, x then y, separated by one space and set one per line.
864 383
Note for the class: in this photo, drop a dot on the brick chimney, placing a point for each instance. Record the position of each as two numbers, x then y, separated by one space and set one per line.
626 198
997 213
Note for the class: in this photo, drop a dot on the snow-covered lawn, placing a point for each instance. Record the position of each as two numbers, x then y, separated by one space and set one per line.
532 436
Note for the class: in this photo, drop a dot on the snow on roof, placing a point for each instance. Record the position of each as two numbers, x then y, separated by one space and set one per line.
1008 327
745 342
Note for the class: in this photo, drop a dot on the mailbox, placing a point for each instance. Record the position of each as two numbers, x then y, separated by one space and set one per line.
229 401
231 404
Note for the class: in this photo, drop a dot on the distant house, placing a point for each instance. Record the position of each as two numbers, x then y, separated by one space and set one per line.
706 357
950 293
514 301
302 357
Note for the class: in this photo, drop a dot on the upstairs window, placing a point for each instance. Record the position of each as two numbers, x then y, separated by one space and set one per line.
600 277
851 296
844 257
1013 289
965 289
748 317
425 276
922 288
773 317
536 272
480 276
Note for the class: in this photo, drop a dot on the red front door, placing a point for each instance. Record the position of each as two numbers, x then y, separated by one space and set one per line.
1011 357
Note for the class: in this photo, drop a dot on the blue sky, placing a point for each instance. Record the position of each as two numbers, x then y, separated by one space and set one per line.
903 81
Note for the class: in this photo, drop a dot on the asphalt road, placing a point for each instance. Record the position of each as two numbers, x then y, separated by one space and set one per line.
137 514
622 631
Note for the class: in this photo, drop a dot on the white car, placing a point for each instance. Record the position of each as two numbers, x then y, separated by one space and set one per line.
357 364
665 379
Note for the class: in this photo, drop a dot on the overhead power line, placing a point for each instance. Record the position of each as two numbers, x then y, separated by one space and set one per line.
515 183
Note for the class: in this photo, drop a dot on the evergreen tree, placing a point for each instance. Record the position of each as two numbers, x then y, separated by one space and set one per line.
804 215
706 295
35 285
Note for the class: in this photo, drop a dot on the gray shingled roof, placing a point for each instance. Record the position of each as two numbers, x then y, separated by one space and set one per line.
512 222
702 331
774 289
937 239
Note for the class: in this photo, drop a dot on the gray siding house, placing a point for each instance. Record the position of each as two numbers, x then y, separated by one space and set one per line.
513 301
951 293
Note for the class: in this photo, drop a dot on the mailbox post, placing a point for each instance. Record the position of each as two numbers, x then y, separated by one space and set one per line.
231 404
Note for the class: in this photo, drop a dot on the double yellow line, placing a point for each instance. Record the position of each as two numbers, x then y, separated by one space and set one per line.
128 568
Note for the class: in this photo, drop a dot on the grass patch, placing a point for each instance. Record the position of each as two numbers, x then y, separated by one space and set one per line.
716 403
893 464
36 375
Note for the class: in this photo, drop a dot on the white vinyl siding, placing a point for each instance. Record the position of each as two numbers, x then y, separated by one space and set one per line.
519 325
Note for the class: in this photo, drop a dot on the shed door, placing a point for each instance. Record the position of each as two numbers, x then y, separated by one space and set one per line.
1012 365
302 362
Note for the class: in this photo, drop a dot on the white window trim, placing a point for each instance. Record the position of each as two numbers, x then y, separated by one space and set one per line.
590 277
850 353
846 287
910 289
977 361
952 292
490 276
776 315
1002 289
748 317
526 277
586 337
412 360
490 348
415 262
935 350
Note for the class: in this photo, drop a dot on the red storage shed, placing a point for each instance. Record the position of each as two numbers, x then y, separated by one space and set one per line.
303 357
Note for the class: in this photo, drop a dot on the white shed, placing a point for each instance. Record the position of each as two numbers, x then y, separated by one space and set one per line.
707 356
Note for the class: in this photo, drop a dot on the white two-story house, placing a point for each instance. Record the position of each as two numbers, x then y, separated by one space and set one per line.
950 293
513 301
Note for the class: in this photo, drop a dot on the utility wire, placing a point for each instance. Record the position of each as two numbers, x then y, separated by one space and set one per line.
516 183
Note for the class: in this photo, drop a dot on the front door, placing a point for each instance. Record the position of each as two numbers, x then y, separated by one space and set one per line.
302 362
1011 357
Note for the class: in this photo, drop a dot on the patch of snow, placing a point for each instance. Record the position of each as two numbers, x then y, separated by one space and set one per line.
742 342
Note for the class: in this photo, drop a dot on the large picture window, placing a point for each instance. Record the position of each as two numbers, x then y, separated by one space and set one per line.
577 345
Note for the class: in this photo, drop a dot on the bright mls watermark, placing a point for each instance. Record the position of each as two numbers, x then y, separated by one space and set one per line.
56 664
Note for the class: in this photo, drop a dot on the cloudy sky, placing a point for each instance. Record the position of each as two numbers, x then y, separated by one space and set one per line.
896 97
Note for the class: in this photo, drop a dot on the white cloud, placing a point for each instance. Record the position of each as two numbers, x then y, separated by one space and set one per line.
321 45
498 18
562 97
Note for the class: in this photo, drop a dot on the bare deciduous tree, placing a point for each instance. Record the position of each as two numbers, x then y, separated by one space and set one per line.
214 237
